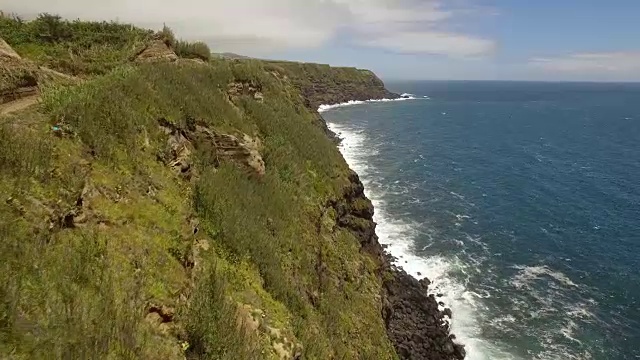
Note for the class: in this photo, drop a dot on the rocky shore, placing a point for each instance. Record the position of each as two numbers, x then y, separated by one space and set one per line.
414 322
415 325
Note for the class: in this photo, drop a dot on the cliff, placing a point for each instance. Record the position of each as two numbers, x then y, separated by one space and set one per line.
322 84
180 209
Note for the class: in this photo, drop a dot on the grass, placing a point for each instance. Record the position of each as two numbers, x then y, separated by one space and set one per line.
57 293
212 324
86 48
83 290
73 47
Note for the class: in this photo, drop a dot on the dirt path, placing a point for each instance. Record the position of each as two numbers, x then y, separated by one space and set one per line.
16 105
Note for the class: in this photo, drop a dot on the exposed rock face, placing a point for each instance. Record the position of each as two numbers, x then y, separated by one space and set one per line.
320 84
355 213
181 142
324 94
415 325
179 148
157 50
30 88
18 77
21 78
240 88
244 152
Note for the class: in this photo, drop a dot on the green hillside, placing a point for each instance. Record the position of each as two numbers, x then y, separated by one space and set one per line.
128 232
157 202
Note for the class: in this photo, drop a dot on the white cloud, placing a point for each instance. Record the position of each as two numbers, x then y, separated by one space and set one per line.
243 25
595 64
431 42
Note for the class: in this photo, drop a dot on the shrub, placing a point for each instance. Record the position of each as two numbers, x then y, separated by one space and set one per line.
193 50
212 325
167 35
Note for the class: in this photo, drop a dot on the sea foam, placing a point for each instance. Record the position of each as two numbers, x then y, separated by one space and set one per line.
403 97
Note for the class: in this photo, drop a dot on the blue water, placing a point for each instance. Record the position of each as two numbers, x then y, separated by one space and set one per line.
520 201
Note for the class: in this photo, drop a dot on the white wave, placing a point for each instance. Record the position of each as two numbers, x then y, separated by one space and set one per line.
568 330
550 296
399 234
527 274
457 195
324 108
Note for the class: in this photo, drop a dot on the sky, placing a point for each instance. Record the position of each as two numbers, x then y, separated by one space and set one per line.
547 40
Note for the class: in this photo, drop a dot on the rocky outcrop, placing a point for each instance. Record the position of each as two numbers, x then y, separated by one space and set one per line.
415 325
355 213
156 50
321 84
181 142
21 78
245 88
18 77
319 93
7 51
28 87
244 152
179 148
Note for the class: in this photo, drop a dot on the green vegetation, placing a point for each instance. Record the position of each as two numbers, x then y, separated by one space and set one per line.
73 47
86 48
106 252
185 49
193 50
15 74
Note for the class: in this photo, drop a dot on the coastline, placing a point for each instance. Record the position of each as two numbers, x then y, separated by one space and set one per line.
417 322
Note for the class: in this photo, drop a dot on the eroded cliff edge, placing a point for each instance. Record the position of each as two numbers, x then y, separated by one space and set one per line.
414 323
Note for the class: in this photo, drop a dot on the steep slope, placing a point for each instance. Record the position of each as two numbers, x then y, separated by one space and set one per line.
416 326
141 195
195 210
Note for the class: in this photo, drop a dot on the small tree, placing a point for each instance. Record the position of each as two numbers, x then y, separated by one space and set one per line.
51 28
168 36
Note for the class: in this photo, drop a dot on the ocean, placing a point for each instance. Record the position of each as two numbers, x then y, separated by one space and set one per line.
520 201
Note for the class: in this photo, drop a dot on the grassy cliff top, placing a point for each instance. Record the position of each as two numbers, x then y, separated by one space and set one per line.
177 209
